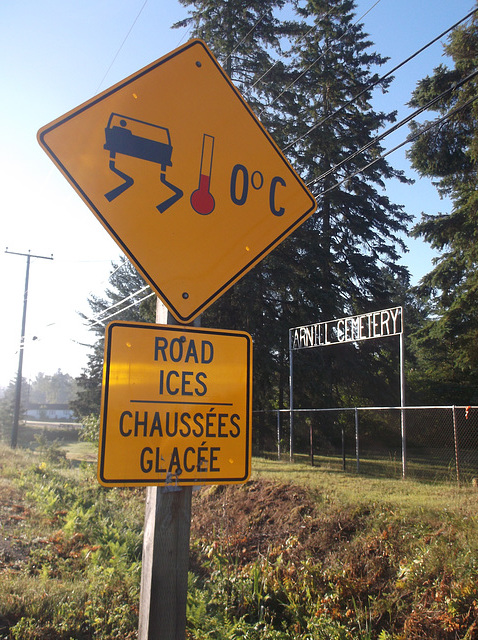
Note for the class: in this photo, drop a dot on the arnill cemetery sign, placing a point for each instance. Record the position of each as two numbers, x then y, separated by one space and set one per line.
352 329
377 324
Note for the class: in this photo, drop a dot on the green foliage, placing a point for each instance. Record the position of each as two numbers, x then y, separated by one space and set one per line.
7 404
90 429
58 388
393 578
118 304
81 574
392 569
344 259
333 265
104 607
446 348
50 451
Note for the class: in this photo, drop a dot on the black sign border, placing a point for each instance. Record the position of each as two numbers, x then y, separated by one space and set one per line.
133 482
136 262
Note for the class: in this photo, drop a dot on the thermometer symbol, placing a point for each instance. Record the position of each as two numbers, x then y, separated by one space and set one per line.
202 200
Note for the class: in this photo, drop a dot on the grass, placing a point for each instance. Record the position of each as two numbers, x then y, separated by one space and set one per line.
377 558
351 488
81 452
70 551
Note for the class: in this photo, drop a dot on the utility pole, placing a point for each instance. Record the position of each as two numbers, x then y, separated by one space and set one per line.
18 382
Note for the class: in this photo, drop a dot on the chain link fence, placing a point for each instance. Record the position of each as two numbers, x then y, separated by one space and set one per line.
427 443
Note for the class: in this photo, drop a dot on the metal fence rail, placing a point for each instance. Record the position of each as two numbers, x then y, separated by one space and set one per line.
427 442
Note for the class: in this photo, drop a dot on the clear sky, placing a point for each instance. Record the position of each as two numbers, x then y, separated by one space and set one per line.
54 55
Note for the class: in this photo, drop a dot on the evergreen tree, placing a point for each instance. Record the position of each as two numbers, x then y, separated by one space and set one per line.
447 347
333 266
343 261
340 254
354 232
7 408
120 303
245 38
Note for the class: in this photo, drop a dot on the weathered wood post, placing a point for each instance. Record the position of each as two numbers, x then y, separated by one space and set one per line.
164 572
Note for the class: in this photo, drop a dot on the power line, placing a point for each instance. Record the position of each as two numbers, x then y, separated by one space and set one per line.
377 82
39 337
98 319
277 61
298 41
116 304
133 304
318 58
246 36
121 46
408 140
395 127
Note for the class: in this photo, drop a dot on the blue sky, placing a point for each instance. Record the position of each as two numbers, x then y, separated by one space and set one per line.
54 55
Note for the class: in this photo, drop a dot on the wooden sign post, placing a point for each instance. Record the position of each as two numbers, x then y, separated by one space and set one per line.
164 573
164 569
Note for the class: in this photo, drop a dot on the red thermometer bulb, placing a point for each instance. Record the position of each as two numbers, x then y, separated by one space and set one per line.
202 200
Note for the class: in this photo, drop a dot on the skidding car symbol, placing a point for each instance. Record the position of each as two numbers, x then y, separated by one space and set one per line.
142 140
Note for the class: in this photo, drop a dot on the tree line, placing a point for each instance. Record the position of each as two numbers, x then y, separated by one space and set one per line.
58 388
308 71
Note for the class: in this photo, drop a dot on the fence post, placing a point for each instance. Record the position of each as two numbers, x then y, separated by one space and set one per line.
291 401
457 454
278 434
343 449
311 441
357 450
403 423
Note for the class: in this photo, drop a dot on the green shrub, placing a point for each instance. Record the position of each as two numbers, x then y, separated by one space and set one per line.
90 428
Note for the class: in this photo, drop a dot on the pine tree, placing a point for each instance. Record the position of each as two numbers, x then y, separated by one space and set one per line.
448 344
354 232
340 253
121 302
343 261
245 38
333 265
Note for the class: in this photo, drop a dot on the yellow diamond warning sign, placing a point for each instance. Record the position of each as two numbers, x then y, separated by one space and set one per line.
181 173
176 406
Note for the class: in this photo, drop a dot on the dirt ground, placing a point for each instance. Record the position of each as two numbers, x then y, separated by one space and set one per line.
262 516
248 519
14 515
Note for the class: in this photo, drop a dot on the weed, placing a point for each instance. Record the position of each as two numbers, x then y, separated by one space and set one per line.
346 558
90 429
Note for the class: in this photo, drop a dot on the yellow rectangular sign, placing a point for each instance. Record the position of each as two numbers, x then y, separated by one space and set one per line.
176 406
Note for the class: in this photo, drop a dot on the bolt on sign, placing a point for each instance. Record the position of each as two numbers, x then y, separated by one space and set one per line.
176 406
183 176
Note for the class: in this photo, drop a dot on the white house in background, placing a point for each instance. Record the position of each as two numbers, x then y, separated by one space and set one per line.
44 412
